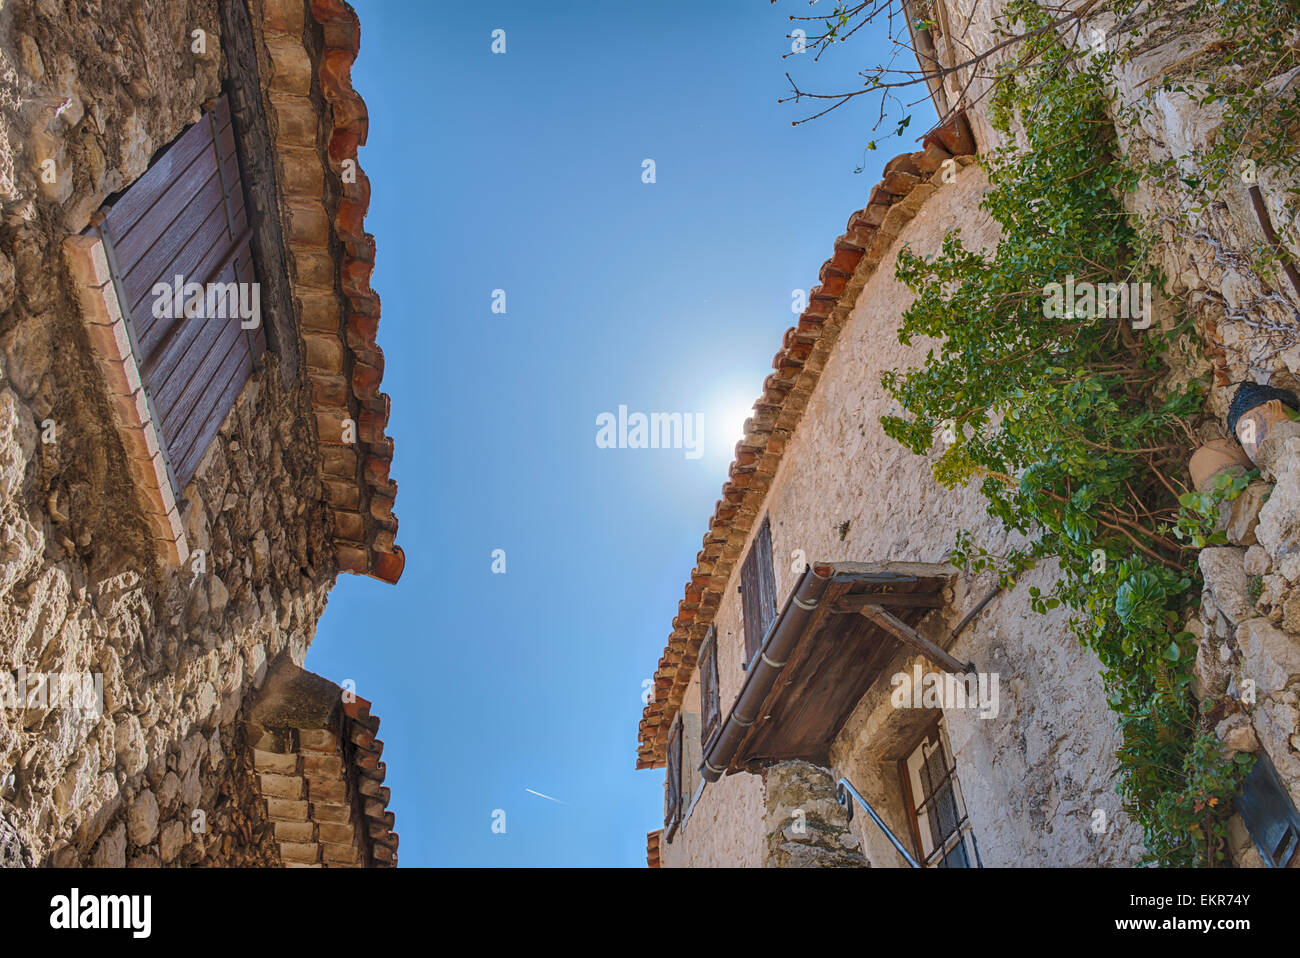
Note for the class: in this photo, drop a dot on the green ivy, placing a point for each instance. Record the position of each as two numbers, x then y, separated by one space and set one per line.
1076 441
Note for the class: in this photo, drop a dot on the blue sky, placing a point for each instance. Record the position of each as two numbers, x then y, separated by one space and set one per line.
522 172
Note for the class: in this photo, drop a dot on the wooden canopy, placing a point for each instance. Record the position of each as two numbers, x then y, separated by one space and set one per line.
865 613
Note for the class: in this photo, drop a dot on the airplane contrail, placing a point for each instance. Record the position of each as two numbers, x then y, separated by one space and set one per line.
547 797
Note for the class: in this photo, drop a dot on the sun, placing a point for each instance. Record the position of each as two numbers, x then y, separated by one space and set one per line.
724 424
733 423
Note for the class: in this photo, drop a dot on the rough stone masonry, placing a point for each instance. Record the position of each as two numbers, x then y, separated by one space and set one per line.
164 775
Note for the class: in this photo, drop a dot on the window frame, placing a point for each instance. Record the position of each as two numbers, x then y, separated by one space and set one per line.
180 433
935 731
171 381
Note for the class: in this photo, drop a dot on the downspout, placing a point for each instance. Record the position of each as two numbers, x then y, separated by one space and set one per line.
763 672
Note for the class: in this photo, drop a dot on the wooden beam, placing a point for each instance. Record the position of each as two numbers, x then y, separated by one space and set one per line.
911 600
909 636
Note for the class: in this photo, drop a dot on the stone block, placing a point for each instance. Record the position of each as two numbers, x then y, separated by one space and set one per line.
110 852
286 810
1269 656
334 854
318 740
1243 513
281 786
339 814
341 833
142 819
1223 568
306 853
327 791
275 762
301 832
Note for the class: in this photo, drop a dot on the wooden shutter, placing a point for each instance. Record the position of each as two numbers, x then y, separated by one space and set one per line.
758 590
673 810
186 217
710 705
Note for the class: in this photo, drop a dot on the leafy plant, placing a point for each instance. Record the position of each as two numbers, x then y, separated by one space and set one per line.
1065 424
1199 517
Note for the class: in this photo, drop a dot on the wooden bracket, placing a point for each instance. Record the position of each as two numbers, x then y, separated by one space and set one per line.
910 637
910 600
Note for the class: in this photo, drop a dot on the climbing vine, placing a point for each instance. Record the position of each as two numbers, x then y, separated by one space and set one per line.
1066 418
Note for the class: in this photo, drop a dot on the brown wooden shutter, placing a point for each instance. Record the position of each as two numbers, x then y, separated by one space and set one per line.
758 590
710 704
186 217
673 811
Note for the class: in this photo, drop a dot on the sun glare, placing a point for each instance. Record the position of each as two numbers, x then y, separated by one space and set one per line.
728 424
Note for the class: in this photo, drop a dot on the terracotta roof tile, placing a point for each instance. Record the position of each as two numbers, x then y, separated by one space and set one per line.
798 365
340 312
320 771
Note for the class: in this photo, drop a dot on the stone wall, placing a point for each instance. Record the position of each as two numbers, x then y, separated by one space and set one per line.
1249 622
178 649
79 589
1248 660
1205 249
1034 776
805 825
720 830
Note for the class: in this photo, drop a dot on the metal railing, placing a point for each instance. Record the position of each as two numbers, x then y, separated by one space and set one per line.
844 790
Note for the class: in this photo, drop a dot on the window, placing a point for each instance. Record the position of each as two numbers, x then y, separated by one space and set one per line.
173 307
758 591
936 809
710 704
673 803
1268 814
177 243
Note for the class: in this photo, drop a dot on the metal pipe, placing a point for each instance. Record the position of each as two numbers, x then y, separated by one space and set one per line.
969 617
843 789
1270 234
763 671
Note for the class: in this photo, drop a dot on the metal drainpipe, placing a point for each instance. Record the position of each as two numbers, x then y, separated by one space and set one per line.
762 675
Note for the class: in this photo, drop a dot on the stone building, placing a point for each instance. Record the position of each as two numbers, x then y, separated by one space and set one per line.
192 436
822 603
